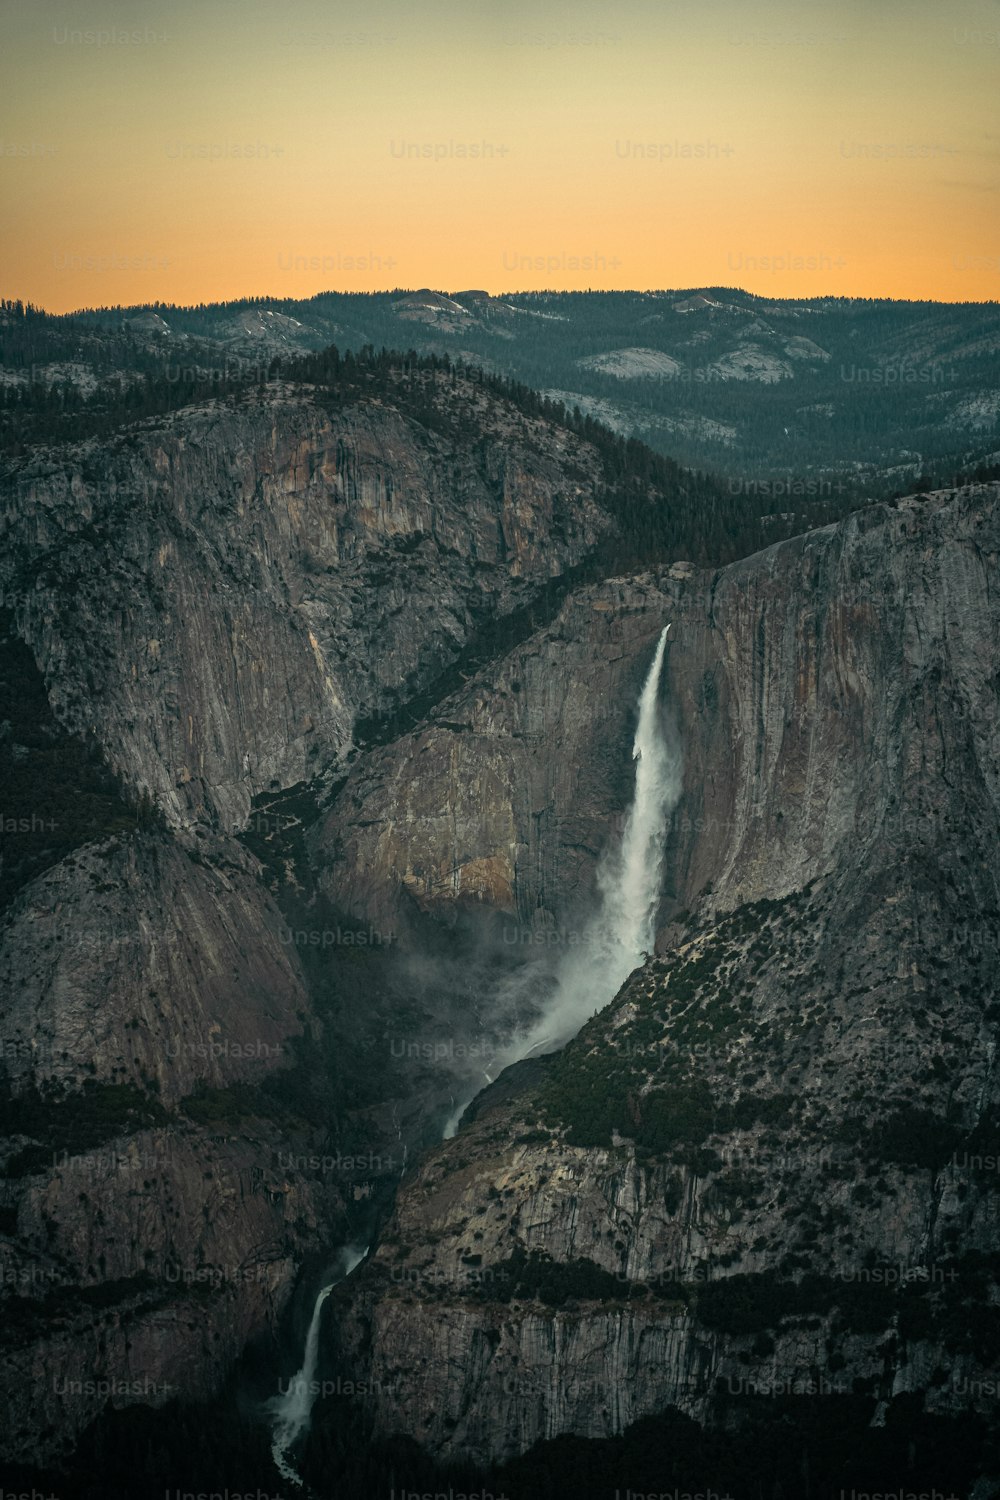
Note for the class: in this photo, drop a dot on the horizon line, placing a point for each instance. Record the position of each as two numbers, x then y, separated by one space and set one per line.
402 291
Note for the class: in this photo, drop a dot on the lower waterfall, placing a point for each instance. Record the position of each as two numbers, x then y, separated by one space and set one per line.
290 1411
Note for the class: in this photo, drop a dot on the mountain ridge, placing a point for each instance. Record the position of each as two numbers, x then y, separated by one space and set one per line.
880 396
312 559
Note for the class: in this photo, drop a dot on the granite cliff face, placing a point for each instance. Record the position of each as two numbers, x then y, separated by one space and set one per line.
506 794
824 692
139 1270
769 1164
214 601
229 606
220 595
148 967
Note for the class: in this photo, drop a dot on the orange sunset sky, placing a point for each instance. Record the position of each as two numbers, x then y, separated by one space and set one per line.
196 150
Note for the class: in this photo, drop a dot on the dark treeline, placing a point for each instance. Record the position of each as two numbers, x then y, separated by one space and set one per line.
124 380
898 392
662 510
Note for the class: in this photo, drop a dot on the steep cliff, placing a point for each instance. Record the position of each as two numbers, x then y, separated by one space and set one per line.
207 1080
218 595
824 693
214 600
769 1166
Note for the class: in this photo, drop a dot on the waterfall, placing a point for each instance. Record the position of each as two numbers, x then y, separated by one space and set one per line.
631 887
628 880
291 1410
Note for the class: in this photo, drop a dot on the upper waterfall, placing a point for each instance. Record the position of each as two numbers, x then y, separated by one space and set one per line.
630 884
622 930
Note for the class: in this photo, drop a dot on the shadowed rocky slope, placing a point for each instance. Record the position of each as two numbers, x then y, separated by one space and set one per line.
216 602
770 1164
212 600
218 595
825 692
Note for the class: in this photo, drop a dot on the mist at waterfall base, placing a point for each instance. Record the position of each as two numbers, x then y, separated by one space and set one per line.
290 1411
622 931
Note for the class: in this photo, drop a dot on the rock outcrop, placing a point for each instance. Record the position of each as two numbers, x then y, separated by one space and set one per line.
214 601
820 692
770 1164
218 597
232 605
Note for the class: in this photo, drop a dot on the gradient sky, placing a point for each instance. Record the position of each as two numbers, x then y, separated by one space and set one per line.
794 149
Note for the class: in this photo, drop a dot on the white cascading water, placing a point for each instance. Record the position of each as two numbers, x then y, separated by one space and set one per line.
590 975
291 1410
623 929
631 886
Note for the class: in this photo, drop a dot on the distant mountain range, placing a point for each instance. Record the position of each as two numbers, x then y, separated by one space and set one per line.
874 395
